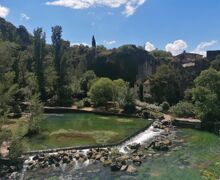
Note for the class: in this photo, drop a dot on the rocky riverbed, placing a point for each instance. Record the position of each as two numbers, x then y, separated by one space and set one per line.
126 158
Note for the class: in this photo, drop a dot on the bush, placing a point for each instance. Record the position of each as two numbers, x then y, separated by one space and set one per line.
80 104
183 109
86 102
101 91
165 106
129 101
129 108
16 149
5 135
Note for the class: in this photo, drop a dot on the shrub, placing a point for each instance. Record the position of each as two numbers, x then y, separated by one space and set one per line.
80 104
165 106
129 108
183 109
129 101
101 91
5 135
86 102
16 149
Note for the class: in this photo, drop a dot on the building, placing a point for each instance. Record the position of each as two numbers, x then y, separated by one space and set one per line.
211 55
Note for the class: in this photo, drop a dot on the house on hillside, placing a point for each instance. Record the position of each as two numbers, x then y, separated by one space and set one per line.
211 55
189 65
186 60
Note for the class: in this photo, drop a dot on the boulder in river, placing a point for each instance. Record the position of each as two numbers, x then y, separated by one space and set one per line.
115 166
131 169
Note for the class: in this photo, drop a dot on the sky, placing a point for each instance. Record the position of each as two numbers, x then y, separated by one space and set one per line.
171 25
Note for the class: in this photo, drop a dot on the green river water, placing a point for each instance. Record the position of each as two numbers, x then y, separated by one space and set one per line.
195 156
80 129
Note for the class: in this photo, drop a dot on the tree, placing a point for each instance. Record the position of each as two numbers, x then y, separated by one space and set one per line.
183 109
165 85
36 115
216 63
129 101
7 91
16 150
39 55
120 89
101 91
206 97
93 42
56 43
85 80
35 107
61 57
23 37
8 87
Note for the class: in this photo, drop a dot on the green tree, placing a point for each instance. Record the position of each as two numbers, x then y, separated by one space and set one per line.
35 107
39 55
206 97
93 42
183 109
119 93
216 63
16 150
129 101
56 43
57 52
165 85
101 91
36 115
7 77
85 80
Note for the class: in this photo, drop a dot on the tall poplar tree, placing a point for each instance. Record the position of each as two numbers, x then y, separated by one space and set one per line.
39 55
93 42
57 51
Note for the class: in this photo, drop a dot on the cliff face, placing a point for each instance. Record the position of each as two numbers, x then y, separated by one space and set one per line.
128 62
9 32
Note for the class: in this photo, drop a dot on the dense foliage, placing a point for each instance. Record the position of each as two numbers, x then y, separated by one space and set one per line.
183 109
206 96
165 85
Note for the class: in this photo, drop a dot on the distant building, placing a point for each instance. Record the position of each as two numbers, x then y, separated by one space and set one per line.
188 57
187 60
211 55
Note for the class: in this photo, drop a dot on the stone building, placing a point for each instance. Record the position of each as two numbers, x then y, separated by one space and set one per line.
211 55
189 64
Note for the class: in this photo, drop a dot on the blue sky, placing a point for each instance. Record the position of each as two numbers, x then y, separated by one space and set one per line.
173 25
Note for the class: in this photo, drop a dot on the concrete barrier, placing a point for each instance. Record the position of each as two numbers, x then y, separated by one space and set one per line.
187 123
58 110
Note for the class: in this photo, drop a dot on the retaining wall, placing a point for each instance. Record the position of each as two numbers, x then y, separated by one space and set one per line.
58 110
187 123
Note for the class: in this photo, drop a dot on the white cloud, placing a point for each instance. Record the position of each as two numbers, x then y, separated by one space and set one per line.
109 42
149 46
201 48
78 44
176 47
4 11
130 6
24 17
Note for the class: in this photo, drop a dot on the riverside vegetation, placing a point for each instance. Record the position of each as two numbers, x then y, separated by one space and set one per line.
34 74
